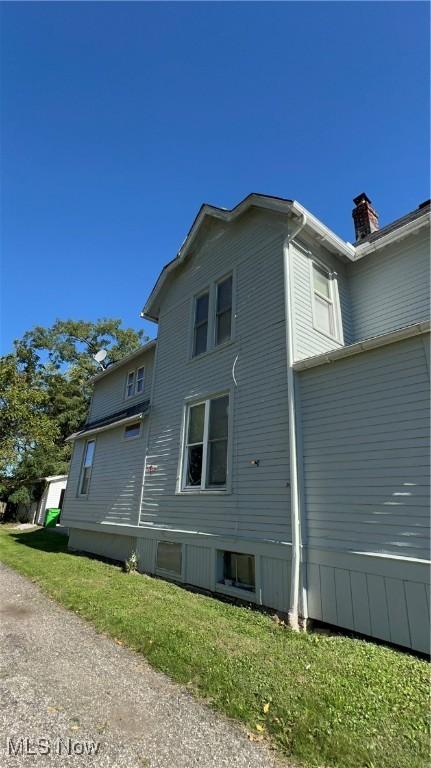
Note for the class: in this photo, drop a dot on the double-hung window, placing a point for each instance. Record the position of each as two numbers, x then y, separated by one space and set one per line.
201 324
135 382
87 466
130 385
140 380
212 318
205 458
324 308
223 321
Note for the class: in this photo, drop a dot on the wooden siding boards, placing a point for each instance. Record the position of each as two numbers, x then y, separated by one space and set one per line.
109 394
367 484
308 340
116 480
389 288
257 504
366 477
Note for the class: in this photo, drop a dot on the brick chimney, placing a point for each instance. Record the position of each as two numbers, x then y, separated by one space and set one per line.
365 217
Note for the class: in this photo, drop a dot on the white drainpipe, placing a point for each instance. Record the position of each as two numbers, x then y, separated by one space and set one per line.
294 485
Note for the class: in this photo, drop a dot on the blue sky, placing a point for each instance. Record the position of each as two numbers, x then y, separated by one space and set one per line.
120 119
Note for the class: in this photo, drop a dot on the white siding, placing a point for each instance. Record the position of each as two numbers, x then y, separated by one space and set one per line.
308 340
258 504
109 395
391 288
116 480
366 451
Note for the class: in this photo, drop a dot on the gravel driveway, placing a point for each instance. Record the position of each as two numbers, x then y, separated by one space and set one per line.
63 683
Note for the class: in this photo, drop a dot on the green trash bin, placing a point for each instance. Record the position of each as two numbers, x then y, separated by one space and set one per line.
51 517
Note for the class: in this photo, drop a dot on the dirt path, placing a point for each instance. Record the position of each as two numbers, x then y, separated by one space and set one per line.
63 683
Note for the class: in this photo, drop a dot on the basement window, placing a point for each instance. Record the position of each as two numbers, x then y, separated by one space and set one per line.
169 557
238 571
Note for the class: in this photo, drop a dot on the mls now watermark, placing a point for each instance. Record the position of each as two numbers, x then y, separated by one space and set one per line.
68 747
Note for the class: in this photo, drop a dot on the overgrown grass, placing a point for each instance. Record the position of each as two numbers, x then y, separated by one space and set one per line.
333 700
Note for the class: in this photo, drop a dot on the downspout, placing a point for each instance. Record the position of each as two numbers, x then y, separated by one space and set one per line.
294 484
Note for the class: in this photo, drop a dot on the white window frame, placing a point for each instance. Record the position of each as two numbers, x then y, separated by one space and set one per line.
138 379
198 296
333 300
203 488
216 344
81 474
134 372
127 438
212 289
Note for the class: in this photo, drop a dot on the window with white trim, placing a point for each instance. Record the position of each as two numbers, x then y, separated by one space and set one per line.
135 382
212 316
200 339
130 385
87 466
205 456
132 430
140 380
223 319
324 309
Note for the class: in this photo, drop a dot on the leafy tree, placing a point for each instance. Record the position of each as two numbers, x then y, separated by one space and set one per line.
45 390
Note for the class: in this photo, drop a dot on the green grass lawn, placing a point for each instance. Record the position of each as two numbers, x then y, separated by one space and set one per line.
333 700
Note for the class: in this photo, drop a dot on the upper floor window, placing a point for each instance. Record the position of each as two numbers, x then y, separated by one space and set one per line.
223 311
135 382
206 444
201 324
324 302
212 321
87 465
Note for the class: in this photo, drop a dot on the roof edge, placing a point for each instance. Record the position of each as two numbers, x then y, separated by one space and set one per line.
254 199
131 356
366 345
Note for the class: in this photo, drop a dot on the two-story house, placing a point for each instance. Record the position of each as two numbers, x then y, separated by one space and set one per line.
272 445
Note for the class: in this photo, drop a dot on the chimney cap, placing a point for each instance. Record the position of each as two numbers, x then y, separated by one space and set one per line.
362 198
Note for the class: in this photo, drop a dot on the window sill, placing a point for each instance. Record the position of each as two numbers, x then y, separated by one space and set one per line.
203 491
211 351
243 594
328 336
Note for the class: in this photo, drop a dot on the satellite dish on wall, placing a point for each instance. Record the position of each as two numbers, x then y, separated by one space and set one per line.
100 356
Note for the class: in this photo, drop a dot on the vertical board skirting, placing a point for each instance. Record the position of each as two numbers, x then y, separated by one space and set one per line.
275 582
314 592
327 585
416 598
343 593
398 621
198 566
361 609
146 551
378 604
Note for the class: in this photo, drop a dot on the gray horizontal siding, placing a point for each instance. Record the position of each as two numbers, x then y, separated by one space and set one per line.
116 480
308 340
390 288
109 392
366 451
258 504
